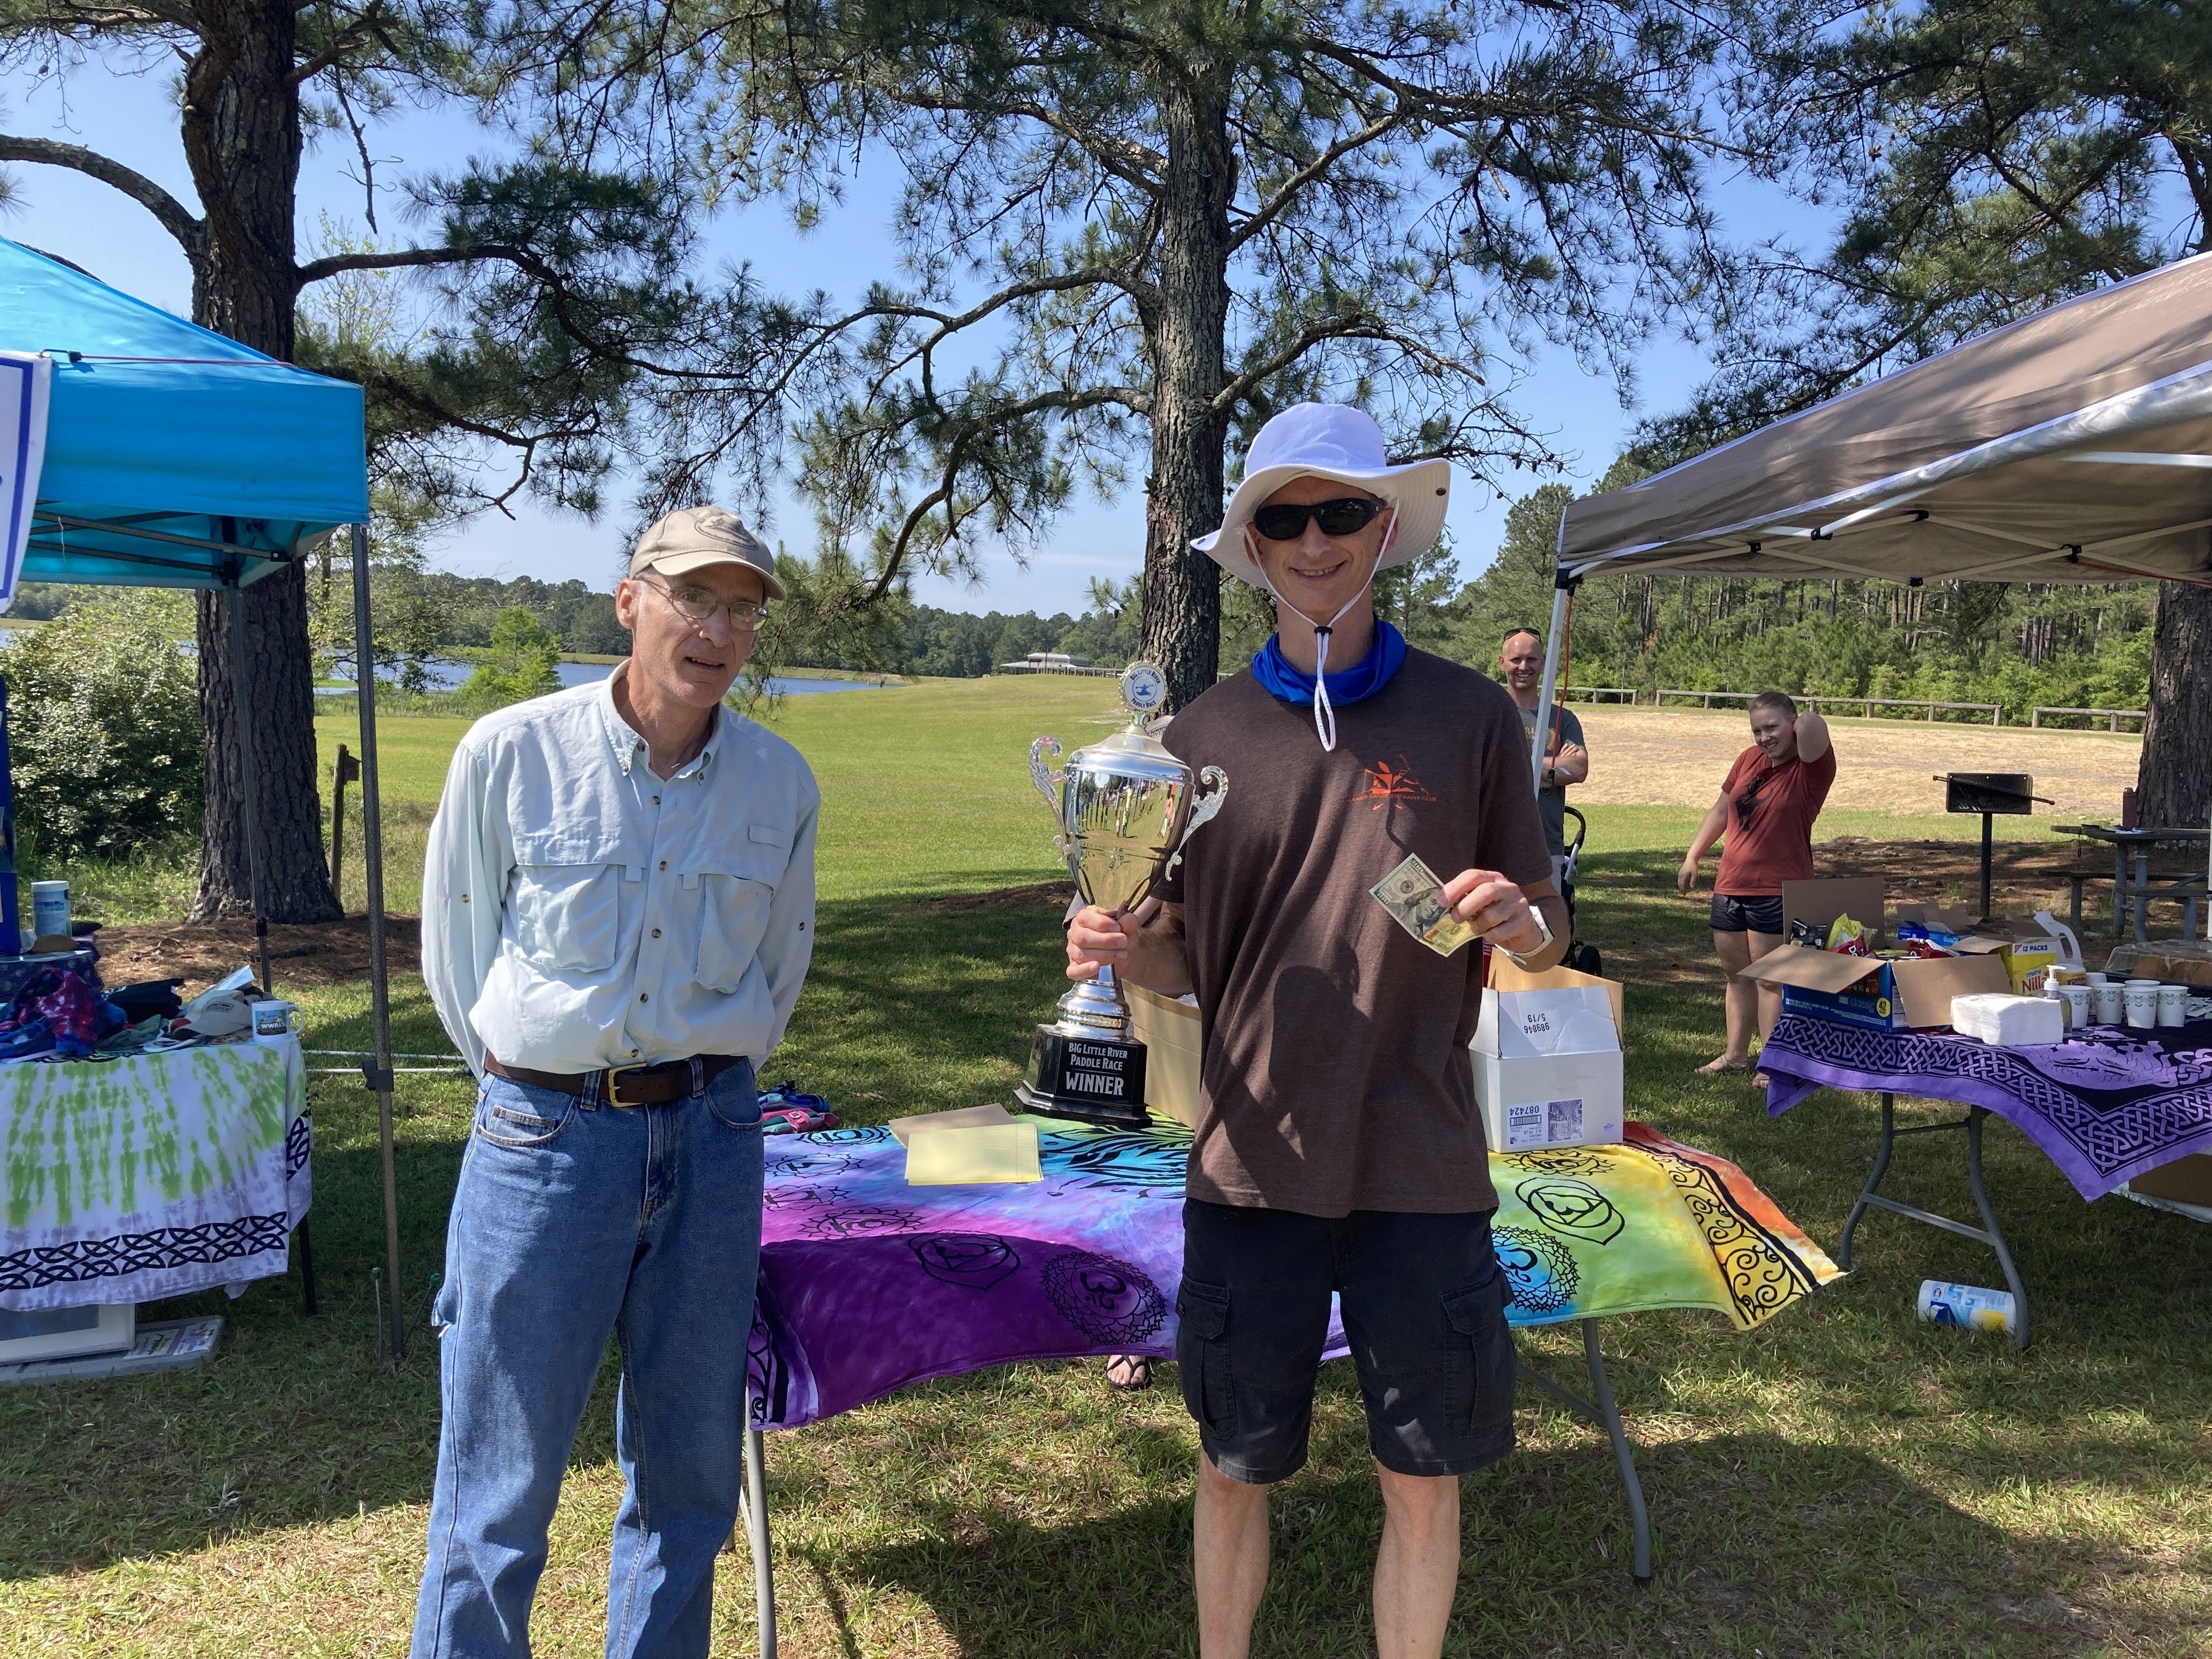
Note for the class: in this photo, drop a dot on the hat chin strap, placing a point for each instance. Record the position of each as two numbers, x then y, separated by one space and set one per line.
1323 710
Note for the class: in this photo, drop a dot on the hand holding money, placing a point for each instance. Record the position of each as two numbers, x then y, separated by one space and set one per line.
1495 908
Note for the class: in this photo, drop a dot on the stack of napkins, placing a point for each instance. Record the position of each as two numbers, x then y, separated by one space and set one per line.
975 1146
2010 1021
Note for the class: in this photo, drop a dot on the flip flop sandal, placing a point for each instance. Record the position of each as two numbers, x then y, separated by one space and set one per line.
1136 1372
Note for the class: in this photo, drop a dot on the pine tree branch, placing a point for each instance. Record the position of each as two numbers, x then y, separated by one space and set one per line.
1062 403
174 217
1314 170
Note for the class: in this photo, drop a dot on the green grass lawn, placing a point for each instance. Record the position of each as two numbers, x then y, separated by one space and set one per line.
1844 1481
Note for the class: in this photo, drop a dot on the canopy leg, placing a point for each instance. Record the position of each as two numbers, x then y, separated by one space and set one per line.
377 1073
242 712
1563 591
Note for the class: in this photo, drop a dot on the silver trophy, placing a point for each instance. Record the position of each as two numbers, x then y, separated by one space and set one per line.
1126 807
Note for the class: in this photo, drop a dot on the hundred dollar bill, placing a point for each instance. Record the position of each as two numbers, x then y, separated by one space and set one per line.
1410 893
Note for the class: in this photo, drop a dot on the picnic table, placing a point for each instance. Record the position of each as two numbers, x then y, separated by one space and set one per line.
868 1285
2133 888
2107 1104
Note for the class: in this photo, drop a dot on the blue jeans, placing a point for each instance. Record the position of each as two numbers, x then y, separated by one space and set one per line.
571 1224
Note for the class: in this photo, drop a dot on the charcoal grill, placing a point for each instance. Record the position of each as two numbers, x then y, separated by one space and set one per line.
1988 793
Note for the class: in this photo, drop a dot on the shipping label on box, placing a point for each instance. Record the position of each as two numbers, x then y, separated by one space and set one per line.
1563 1100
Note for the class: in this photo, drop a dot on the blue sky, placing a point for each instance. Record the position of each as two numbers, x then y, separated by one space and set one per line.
130 117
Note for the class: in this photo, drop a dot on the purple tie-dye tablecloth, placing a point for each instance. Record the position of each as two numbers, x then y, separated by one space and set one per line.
868 1285
2106 1104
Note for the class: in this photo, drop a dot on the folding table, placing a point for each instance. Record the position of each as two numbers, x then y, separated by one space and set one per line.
868 1285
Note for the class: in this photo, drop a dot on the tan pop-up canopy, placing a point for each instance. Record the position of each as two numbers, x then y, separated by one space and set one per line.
2073 447
2076 446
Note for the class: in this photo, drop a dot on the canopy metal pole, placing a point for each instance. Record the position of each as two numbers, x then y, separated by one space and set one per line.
1563 588
249 783
377 1071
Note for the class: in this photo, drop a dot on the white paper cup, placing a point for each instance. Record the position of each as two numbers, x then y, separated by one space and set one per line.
2142 1003
2096 978
2173 1005
2105 999
2076 999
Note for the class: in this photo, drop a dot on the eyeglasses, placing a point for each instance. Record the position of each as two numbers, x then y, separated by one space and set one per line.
699 606
1347 517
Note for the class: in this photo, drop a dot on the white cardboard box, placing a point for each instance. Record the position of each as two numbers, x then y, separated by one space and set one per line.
1547 1062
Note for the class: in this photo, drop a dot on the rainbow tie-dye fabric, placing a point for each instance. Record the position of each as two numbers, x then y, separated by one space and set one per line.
868 1285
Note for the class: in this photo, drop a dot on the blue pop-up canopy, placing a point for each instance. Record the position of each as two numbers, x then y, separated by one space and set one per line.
137 449
174 457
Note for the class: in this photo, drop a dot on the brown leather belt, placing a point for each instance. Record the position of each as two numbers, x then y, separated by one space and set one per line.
626 1085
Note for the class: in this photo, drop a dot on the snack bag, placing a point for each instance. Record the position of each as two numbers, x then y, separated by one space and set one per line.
1847 938
1924 940
1810 934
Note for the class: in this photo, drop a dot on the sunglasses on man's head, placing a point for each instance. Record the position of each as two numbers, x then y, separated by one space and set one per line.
1347 517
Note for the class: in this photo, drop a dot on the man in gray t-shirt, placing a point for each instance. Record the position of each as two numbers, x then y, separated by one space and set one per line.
1521 662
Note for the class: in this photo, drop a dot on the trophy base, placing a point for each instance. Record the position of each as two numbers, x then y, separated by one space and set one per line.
1092 1080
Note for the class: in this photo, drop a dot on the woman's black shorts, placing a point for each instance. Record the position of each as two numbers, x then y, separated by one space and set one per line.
1423 1306
1734 915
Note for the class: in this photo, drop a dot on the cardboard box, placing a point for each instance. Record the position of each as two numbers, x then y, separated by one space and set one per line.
2027 951
2186 1181
1174 1035
1911 995
1547 1059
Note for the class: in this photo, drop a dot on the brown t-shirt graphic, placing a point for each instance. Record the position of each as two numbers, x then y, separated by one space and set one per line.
1336 1075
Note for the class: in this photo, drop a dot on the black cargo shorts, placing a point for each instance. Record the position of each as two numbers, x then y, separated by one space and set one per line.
1423 1307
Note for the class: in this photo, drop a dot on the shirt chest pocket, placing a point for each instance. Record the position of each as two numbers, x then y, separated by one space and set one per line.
736 884
564 904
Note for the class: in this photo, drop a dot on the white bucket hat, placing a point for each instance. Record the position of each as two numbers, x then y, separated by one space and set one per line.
1332 441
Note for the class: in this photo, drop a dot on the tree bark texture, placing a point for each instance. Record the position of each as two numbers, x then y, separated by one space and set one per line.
2173 780
1181 628
241 138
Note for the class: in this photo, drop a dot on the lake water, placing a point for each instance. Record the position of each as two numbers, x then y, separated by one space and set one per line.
445 676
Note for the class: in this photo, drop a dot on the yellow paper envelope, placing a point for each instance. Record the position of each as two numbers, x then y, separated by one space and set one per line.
967 1117
992 1152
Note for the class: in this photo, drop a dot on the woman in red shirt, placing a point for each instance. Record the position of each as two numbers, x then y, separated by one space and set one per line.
1766 808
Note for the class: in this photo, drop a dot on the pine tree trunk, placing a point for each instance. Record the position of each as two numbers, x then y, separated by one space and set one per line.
2173 781
1181 629
241 138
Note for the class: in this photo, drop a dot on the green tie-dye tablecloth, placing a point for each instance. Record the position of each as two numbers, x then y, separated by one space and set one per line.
149 1175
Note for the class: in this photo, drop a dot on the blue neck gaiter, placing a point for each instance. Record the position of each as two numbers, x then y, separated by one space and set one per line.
1356 684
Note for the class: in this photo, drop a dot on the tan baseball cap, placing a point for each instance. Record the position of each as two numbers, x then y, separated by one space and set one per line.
701 536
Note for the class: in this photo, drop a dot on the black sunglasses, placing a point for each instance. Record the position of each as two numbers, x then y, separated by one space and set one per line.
1347 517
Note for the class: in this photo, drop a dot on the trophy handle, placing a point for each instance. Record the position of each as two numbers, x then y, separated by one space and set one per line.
1201 810
1042 775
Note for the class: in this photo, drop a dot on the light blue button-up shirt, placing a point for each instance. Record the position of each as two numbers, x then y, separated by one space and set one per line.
579 912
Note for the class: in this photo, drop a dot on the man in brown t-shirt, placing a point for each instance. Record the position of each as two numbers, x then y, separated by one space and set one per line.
1339 1148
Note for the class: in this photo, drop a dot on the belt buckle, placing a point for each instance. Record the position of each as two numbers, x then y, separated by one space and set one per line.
613 1090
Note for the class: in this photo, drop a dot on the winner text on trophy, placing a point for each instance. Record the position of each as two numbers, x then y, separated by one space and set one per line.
1125 806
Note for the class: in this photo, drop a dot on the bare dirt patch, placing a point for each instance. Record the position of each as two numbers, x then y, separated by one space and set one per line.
301 954
1677 758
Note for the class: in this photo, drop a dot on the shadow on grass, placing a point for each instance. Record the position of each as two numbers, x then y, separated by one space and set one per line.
906 1009
1881 1564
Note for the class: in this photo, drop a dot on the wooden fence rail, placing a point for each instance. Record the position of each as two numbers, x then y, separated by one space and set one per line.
1994 711
2111 716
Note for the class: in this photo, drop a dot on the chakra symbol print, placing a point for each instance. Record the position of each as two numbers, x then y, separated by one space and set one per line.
1573 1207
1108 1301
974 1261
1392 787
